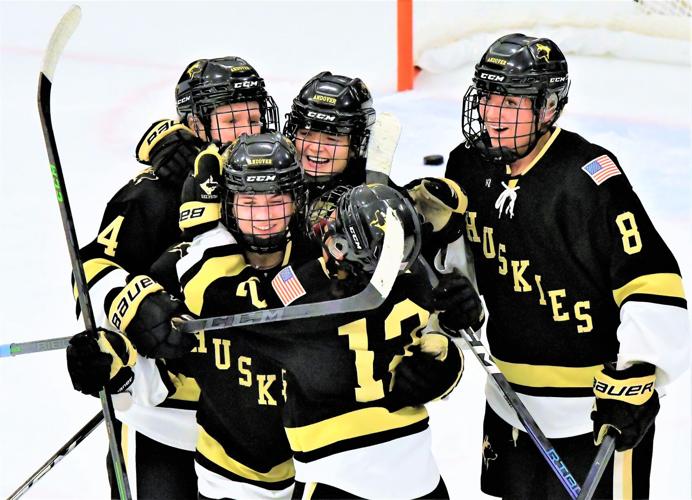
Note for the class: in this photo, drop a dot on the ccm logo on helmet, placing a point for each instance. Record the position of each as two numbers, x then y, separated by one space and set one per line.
184 99
558 79
260 178
245 85
321 116
492 78
352 230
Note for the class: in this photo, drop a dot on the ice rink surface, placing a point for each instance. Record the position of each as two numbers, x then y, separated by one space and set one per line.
118 75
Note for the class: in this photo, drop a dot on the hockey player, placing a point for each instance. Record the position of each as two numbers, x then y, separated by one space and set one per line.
352 431
219 99
584 297
330 123
241 447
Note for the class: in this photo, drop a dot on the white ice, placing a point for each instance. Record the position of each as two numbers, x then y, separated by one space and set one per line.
117 76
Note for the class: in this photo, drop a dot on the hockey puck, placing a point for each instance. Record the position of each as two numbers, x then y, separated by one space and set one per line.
433 160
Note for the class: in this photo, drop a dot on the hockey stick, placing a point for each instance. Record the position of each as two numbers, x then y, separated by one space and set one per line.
605 451
384 138
59 455
16 348
66 26
369 298
502 384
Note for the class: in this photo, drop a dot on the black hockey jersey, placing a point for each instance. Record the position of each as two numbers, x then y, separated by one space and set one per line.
573 274
241 436
338 372
139 223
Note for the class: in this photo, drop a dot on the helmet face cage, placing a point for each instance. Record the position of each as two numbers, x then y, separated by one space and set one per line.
225 98
517 73
264 191
482 109
330 123
350 224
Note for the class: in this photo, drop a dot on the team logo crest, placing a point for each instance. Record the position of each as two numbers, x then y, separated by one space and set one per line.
147 174
542 52
488 453
209 186
378 221
195 69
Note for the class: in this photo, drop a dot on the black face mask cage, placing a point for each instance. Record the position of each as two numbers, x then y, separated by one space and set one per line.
261 221
476 129
253 114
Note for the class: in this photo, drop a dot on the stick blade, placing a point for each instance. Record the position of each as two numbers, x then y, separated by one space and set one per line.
391 256
61 34
384 139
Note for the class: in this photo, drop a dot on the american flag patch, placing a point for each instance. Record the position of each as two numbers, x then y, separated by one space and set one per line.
601 169
287 286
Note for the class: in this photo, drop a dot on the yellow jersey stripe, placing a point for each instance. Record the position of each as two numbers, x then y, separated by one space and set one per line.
212 269
91 268
186 388
212 449
548 376
351 425
666 284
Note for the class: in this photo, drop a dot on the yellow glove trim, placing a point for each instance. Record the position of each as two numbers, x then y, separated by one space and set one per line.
432 208
154 135
212 150
635 391
126 303
435 344
118 363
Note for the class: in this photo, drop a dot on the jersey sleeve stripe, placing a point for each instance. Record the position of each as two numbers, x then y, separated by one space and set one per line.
213 269
351 425
94 270
665 284
186 388
548 376
213 451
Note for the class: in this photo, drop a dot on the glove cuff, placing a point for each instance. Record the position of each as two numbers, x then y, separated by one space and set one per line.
154 135
634 385
125 305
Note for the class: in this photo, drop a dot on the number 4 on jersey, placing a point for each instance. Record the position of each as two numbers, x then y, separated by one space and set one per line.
109 236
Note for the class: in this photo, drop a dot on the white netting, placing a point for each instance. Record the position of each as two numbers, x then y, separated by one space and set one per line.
449 35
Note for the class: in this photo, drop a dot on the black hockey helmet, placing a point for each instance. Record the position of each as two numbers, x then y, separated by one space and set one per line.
351 228
522 66
207 84
262 164
335 105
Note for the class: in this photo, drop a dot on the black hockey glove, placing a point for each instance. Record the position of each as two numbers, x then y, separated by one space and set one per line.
430 373
625 401
459 305
200 208
442 204
106 363
170 147
145 312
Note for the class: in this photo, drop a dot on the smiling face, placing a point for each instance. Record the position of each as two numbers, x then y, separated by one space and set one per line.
263 215
322 154
509 121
